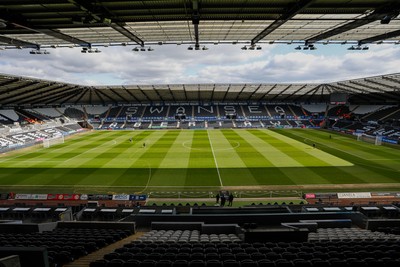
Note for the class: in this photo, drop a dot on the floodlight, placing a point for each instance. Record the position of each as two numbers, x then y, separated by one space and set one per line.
244 48
142 49
305 47
298 48
351 48
259 48
365 48
135 49
97 51
150 49
205 48
46 52
190 48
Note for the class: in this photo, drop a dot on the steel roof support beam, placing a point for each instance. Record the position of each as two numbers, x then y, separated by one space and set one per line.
226 93
376 38
122 30
145 95
100 92
378 14
82 94
281 92
298 90
119 27
255 91
65 96
62 36
272 88
130 94
157 93
17 42
25 94
338 88
196 21
185 92
54 94
15 89
70 97
170 91
392 80
237 97
117 94
290 13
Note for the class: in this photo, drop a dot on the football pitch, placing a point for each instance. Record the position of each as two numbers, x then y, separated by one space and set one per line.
181 160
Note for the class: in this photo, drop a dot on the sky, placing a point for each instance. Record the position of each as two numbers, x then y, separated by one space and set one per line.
173 64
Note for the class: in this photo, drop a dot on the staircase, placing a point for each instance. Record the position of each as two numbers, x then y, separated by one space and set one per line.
99 254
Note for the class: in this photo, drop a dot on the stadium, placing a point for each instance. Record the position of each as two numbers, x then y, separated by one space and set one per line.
206 174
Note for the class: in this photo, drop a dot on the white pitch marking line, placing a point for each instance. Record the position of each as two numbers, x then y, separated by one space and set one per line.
215 160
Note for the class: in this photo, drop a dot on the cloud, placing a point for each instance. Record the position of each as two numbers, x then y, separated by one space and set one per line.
169 64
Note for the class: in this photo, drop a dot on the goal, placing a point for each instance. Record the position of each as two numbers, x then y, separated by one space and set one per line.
53 141
377 140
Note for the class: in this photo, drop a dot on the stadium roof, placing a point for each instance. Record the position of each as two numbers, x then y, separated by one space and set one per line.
23 91
53 23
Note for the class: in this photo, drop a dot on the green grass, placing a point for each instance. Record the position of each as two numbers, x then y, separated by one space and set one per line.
202 160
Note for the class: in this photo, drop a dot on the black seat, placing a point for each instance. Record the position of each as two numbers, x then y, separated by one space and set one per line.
197 263
248 263
115 263
266 263
164 263
99 263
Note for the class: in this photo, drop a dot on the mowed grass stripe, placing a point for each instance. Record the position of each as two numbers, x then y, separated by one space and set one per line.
255 160
288 151
111 176
225 151
38 156
146 166
299 150
361 149
68 175
80 172
362 172
43 162
231 166
202 170
172 171
270 148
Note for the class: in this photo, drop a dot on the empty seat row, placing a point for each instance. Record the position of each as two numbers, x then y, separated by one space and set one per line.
248 263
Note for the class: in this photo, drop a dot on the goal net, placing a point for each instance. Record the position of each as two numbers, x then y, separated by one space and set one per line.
53 141
376 140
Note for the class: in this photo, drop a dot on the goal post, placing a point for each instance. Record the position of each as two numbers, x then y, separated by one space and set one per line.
53 141
376 140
